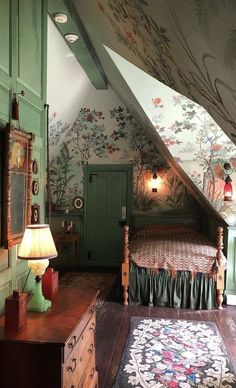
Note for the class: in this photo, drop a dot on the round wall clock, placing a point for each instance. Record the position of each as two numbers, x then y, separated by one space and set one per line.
35 187
78 202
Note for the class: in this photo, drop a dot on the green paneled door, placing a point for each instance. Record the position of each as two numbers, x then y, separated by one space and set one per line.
106 208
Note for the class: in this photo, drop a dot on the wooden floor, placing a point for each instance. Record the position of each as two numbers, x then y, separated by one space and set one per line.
113 323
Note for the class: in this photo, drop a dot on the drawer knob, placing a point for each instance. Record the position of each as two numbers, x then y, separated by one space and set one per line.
92 373
93 327
73 342
92 309
73 367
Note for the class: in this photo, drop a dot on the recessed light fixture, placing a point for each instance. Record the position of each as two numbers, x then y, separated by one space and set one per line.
71 37
60 17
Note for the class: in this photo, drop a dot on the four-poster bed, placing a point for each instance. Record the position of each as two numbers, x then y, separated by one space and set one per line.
173 266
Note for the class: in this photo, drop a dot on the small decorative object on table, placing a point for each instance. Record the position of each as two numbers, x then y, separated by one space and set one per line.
50 283
15 311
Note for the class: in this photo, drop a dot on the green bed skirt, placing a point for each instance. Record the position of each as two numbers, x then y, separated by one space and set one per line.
180 291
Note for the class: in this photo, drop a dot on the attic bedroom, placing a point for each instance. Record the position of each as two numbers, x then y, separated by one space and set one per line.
117 142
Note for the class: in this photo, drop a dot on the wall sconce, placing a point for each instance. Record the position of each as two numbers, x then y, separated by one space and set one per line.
154 183
228 189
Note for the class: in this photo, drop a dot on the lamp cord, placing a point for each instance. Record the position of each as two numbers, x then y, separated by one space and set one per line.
26 280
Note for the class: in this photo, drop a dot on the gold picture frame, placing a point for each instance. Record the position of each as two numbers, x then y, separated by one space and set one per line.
17 171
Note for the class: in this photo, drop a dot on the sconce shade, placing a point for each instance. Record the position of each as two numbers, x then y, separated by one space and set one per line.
154 183
37 243
228 190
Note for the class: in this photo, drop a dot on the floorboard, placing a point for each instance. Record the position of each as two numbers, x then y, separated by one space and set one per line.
113 326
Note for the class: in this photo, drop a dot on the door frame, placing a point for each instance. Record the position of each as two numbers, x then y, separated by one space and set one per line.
93 168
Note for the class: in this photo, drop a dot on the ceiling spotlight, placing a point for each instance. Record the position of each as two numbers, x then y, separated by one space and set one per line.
71 37
60 17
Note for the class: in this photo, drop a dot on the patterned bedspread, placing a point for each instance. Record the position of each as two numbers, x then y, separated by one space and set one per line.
173 249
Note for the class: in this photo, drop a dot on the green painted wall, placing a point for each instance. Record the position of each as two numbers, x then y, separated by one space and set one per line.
23 32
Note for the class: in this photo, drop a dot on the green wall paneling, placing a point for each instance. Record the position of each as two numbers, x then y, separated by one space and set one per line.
23 48
23 281
31 116
5 61
5 290
3 259
38 155
5 36
140 219
30 44
5 103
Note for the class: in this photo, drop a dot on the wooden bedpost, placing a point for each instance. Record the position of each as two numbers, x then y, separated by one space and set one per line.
125 266
221 270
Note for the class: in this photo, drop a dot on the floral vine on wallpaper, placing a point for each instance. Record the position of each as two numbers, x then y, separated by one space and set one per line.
91 140
200 147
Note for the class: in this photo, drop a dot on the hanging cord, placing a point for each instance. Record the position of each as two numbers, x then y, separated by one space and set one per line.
26 280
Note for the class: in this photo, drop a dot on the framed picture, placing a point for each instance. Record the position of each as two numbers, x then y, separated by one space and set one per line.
35 187
78 203
35 214
17 184
35 167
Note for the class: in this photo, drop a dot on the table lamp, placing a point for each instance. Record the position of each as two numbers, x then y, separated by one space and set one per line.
37 247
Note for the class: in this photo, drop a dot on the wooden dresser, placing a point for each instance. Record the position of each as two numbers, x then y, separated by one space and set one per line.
54 349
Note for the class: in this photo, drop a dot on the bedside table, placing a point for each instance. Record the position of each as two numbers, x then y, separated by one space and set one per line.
71 239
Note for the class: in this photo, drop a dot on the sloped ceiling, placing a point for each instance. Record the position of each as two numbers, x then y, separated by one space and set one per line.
188 45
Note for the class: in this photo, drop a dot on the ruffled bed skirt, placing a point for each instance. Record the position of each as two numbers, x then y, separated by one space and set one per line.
183 290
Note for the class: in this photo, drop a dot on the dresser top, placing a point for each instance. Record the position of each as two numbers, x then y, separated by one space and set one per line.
69 309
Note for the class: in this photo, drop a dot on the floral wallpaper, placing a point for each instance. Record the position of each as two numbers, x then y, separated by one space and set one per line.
191 135
111 135
187 45
199 146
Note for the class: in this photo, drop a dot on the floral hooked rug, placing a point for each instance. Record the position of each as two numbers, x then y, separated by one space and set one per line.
96 281
174 353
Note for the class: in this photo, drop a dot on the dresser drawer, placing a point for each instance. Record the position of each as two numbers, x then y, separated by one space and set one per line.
77 362
81 331
90 377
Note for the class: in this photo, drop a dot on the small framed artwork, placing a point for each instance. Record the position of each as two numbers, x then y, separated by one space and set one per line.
35 187
35 214
17 147
78 203
35 167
